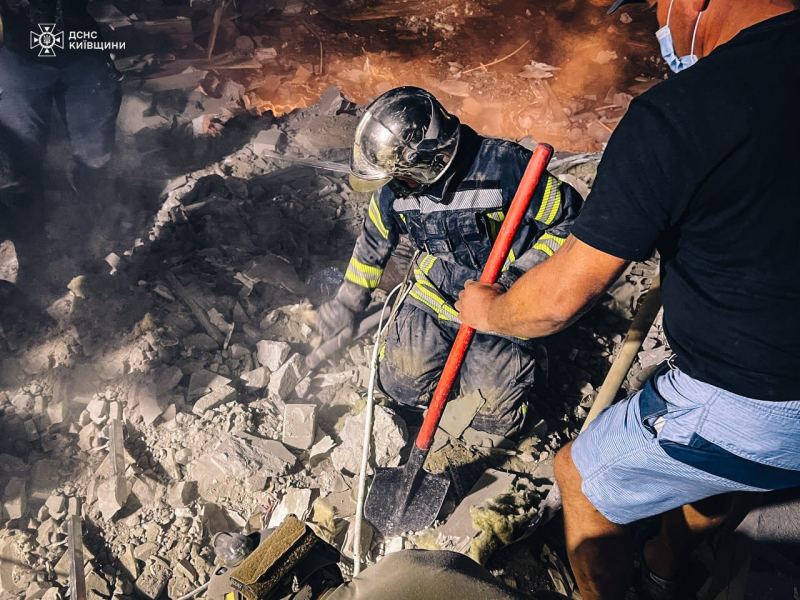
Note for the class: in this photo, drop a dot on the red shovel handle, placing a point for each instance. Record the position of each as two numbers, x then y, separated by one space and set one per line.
519 205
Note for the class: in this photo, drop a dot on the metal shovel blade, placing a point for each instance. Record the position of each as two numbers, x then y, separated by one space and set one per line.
405 498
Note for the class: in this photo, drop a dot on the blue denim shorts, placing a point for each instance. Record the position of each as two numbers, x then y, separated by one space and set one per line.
680 440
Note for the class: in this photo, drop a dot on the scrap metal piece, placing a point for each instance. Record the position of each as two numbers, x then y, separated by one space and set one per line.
77 578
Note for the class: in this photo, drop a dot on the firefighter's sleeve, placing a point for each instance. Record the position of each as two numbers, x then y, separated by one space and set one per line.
379 237
552 212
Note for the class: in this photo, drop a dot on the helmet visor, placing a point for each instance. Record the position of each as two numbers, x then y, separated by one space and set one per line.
378 154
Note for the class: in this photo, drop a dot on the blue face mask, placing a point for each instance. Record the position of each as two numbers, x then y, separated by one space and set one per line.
664 35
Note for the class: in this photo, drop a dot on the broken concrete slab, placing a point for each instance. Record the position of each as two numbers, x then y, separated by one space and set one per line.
459 529
272 354
44 478
367 534
296 502
202 382
273 140
256 379
320 450
284 380
299 425
182 494
459 412
388 439
252 459
15 498
149 404
217 397
154 578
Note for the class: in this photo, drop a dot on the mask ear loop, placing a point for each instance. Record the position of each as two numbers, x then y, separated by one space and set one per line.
696 27
669 12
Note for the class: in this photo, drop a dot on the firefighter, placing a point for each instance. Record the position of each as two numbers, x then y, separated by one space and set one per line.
447 188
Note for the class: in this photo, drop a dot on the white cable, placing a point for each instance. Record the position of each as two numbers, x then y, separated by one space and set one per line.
362 474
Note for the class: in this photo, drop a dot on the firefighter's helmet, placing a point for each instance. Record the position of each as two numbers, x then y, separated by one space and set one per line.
405 132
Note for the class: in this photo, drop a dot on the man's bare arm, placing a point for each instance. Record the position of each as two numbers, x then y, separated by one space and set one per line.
548 298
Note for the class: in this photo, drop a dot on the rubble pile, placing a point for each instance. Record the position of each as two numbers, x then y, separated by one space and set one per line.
171 400
569 82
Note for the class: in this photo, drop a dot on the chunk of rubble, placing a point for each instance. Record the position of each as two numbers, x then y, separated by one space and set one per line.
367 533
389 436
299 425
272 354
15 500
251 459
459 530
296 502
320 450
256 379
182 494
459 412
214 399
44 477
272 140
154 578
150 406
284 380
202 382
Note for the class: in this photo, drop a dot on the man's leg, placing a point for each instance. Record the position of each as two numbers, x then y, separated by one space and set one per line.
502 372
413 358
25 108
599 551
682 530
89 102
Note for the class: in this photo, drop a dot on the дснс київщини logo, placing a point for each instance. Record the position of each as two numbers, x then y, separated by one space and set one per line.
47 39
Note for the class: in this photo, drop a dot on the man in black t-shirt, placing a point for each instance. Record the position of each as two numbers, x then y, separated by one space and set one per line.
703 169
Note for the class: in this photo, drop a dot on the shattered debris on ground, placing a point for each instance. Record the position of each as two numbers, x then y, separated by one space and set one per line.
171 400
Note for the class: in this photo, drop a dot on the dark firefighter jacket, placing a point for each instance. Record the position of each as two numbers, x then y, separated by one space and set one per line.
455 222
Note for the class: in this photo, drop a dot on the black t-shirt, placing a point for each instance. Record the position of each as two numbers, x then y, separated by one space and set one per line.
705 167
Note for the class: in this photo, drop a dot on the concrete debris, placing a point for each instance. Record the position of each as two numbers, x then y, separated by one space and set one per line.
215 398
256 379
251 459
202 382
320 450
154 578
296 502
299 425
388 439
284 380
182 494
272 354
150 405
459 412
273 140
15 498
367 534
459 530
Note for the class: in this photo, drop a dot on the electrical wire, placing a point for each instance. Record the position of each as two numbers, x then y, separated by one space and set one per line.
373 370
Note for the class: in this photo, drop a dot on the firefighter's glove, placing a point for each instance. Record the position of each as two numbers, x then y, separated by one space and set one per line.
334 317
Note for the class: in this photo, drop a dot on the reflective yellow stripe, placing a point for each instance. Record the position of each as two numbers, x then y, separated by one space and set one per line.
426 293
403 218
427 263
367 276
549 243
499 216
375 217
551 201
511 259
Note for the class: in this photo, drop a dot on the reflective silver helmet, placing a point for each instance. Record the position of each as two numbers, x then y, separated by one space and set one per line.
405 132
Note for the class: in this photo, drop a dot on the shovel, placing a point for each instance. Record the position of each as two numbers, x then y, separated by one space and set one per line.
408 498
